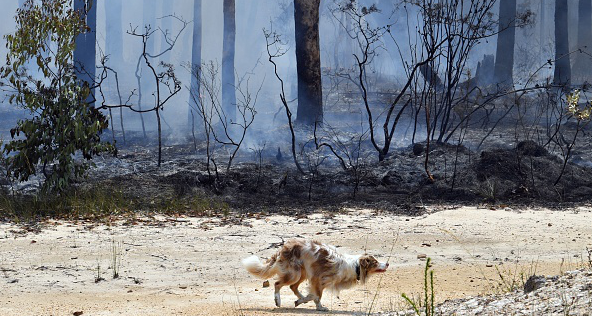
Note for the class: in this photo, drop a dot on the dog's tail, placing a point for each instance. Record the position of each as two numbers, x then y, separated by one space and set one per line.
259 269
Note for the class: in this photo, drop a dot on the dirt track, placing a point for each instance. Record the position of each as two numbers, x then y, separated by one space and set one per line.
191 266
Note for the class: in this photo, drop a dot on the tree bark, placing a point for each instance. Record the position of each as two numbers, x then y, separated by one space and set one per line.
562 75
504 60
308 61
431 76
85 52
582 68
195 59
228 49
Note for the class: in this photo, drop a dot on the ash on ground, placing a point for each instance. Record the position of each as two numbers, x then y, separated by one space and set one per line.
523 175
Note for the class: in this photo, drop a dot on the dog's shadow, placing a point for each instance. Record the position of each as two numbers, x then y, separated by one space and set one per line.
303 311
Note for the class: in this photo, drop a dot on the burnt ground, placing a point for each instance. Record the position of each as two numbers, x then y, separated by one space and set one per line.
506 170
523 174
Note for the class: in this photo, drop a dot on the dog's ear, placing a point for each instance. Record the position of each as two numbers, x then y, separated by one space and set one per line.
365 262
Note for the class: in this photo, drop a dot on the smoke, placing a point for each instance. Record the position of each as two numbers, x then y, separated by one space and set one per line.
116 18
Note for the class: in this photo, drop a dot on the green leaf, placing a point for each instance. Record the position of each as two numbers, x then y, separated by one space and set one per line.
59 125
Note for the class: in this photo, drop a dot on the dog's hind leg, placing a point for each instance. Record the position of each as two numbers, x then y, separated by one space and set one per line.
311 297
316 291
276 295
286 279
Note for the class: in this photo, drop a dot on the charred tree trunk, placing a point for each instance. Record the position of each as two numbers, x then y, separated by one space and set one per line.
114 48
562 75
582 69
85 52
504 57
228 48
431 76
308 61
195 60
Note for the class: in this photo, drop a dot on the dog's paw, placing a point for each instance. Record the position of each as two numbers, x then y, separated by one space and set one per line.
322 308
277 299
297 302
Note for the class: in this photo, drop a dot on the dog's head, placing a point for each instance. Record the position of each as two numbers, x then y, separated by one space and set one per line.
369 265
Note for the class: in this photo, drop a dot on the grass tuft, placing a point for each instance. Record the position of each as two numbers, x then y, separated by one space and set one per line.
425 303
116 258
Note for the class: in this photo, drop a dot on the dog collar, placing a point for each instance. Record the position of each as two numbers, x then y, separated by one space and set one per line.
358 272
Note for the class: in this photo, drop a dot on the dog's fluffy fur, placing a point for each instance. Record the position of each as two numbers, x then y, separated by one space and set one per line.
322 265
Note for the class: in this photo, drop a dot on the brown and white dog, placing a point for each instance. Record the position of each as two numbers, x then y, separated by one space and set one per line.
322 265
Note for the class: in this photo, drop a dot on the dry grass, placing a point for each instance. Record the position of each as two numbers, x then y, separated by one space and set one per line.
102 202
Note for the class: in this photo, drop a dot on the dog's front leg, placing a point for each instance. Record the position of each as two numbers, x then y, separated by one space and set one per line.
319 306
278 300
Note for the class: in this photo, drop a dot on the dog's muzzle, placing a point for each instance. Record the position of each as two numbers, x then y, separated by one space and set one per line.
382 267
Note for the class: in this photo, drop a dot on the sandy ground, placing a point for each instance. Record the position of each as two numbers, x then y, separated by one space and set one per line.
191 266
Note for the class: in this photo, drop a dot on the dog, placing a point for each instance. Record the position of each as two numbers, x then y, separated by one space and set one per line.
322 265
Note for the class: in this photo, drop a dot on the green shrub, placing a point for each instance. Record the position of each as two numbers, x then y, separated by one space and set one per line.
63 122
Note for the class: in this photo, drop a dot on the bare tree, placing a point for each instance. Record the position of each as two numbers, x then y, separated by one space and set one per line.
84 55
562 74
149 20
195 58
275 50
163 74
228 52
582 68
368 39
308 61
504 56
346 146
449 33
446 36
222 132
571 110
